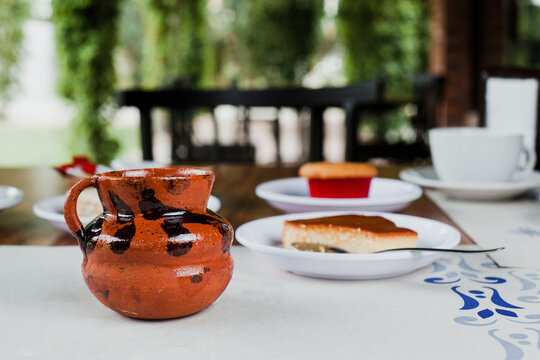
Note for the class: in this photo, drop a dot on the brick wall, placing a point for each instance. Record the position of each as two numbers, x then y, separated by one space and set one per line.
466 37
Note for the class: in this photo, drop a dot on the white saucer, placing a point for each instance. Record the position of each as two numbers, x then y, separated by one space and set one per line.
263 237
52 210
291 195
426 176
10 196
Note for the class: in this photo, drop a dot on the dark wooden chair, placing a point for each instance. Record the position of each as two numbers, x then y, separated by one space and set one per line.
426 100
183 102
516 108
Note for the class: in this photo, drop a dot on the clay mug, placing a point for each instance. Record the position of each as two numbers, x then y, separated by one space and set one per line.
156 251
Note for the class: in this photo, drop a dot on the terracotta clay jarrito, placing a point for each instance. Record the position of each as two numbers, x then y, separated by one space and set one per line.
156 252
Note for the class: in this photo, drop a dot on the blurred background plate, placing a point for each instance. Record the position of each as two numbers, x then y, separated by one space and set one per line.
291 195
10 196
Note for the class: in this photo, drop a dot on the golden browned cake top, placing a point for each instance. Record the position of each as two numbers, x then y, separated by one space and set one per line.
326 170
374 224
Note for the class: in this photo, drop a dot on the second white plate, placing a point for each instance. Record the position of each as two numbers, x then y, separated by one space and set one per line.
291 195
52 210
263 237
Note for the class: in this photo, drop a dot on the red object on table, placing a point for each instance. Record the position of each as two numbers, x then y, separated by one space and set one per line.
80 164
340 188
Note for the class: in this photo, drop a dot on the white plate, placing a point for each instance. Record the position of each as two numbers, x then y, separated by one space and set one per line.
426 176
52 210
291 195
263 237
10 196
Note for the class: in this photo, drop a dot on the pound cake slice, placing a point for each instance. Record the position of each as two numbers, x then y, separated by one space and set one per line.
352 233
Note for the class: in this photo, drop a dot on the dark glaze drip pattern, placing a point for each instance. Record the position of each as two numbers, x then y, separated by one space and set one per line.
196 278
105 293
226 237
177 187
179 248
174 227
122 238
120 206
151 208
225 231
89 236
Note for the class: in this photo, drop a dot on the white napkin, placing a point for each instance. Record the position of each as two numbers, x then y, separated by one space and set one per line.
511 105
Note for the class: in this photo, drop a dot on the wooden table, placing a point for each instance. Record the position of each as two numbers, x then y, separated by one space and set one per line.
235 187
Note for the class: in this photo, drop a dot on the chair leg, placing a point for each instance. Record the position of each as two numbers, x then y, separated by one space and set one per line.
246 120
277 137
146 133
350 131
187 131
246 123
175 137
316 134
215 154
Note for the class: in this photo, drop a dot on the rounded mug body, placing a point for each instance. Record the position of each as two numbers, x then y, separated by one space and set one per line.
476 155
156 252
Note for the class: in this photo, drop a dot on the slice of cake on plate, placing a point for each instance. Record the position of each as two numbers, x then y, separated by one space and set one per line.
351 233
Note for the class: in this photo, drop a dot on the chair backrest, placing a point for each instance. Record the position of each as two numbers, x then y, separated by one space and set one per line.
427 96
314 99
511 102
427 92
278 97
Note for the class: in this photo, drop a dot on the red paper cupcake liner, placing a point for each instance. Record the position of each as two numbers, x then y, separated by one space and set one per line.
340 188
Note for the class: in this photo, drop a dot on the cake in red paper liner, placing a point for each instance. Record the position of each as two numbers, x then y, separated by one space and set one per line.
338 180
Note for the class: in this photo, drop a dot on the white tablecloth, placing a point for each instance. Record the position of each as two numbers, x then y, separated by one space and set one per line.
461 307
512 223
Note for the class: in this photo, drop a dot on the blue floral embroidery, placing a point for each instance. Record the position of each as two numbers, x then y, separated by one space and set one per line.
486 306
527 284
527 231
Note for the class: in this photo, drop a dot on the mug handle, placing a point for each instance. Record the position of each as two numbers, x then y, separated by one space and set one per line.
70 206
528 167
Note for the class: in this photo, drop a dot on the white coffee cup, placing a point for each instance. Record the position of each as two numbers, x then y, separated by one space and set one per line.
479 155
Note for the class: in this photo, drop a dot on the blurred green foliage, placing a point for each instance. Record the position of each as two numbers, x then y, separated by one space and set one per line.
524 48
251 43
85 39
384 38
128 54
12 15
277 39
175 43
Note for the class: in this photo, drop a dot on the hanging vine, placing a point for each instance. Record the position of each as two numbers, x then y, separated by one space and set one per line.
85 39
277 38
175 47
384 38
12 15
